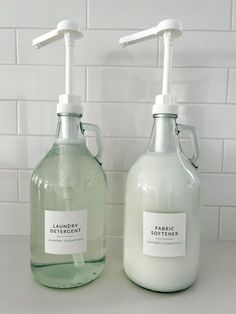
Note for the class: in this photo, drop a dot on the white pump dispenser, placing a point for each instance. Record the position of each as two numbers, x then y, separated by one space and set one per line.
70 31
169 29
166 103
161 216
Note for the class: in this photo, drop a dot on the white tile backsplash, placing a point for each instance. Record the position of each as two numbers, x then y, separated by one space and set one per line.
24 185
8 48
209 217
7 117
16 218
37 118
218 189
203 15
207 148
227 223
231 88
143 84
210 49
37 83
118 87
41 13
8 186
211 121
115 220
19 152
230 156
116 187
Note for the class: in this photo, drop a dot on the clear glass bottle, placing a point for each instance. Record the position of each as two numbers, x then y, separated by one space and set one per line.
161 228
68 196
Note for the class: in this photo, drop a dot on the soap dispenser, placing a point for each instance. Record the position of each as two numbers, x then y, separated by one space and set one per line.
161 219
68 190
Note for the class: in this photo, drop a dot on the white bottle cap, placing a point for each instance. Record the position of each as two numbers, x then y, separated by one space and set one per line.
69 104
165 104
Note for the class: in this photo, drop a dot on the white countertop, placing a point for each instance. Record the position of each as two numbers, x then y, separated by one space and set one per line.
113 292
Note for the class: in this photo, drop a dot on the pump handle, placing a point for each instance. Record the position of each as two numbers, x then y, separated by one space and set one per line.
63 27
169 25
195 143
98 137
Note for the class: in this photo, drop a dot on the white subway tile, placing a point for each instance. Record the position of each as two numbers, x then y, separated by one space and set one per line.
23 152
15 218
37 83
116 187
41 13
100 47
36 117
209 222
24 185
227 223
142 84
211 121
204 14
231 88
120 119
210 155
8 117
229 156
203 49
8 186
115 220
8 47
218 189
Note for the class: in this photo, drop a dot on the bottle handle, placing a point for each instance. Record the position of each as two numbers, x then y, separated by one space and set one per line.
98 137
195 143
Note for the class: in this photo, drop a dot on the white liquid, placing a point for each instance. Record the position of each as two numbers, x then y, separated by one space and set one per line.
161 183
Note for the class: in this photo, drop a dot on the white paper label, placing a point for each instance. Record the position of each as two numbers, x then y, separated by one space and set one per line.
65 231
164 234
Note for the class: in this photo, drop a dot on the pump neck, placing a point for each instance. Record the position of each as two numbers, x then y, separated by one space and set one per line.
164 137
69 128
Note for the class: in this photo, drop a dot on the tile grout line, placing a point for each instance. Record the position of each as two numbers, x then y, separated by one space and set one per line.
87 14
223 156
17 118
86 84
219 222
18 186
227 86
232 15
16 47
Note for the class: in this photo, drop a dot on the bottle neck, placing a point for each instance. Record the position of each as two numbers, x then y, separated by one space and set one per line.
69 128
164 137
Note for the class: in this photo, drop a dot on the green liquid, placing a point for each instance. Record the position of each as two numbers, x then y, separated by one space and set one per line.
67 275
68 178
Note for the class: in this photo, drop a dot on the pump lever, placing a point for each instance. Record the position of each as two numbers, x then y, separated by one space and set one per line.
168 25
63 27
